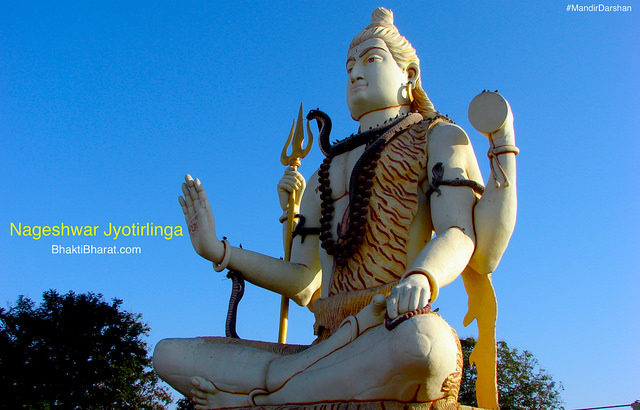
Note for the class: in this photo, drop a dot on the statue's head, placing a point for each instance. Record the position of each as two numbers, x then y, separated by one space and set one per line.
383 36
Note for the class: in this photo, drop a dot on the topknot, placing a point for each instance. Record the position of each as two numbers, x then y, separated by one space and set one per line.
382 17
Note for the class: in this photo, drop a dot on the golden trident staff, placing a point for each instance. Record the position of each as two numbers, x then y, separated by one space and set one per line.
293 160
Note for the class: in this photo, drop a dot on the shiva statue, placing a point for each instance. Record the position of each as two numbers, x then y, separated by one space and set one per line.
393 214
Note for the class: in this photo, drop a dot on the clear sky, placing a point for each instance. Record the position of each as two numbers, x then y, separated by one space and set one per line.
105 105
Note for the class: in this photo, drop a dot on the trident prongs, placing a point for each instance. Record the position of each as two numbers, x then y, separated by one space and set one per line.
296 139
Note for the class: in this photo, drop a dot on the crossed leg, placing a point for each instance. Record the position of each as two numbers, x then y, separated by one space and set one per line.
409 363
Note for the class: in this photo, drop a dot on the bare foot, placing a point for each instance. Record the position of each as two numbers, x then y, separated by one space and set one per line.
207 396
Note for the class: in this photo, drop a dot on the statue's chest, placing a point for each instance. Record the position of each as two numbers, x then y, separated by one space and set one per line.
340 176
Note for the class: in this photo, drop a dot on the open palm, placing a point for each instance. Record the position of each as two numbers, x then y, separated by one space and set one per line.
200 220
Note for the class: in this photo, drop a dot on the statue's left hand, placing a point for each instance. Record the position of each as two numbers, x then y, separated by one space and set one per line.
412 293
200 221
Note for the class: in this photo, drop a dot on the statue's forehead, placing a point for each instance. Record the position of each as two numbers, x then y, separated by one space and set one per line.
355 51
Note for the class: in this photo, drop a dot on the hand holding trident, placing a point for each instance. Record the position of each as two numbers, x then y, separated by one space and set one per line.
295 140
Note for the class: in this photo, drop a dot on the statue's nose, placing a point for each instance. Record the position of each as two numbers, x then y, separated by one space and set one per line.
356 74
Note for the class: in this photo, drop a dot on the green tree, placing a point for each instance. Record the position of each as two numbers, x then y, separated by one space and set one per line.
185 404
76 352
522 383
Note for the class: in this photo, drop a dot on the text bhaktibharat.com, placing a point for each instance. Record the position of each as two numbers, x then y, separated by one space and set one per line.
95 250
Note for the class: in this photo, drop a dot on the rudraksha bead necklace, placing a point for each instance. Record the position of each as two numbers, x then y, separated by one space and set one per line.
360 185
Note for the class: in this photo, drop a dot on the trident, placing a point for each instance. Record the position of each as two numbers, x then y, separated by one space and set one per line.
296 139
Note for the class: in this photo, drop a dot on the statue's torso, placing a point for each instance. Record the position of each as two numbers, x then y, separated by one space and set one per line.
403 187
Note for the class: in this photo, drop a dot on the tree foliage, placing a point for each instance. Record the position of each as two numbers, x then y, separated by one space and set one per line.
75 352
522 383
185 404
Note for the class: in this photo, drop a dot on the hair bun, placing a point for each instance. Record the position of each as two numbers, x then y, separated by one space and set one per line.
382 17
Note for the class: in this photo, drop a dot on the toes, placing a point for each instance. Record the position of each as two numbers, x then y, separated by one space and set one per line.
203 385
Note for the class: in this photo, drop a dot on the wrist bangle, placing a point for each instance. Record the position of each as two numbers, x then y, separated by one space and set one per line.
433 283
219 267
505 149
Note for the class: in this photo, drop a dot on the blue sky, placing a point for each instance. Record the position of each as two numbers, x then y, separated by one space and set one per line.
104 106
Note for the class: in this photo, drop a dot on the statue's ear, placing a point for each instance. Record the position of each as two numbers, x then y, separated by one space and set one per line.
413 72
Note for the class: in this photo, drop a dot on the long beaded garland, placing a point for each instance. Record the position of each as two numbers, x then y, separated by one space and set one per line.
347 243
360 183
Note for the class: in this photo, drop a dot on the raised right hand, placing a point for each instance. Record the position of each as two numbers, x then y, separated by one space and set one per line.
200 221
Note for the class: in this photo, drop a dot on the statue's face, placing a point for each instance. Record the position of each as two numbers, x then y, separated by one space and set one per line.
375 79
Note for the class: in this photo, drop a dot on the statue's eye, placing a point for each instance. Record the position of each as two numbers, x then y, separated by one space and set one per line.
350 65
373 58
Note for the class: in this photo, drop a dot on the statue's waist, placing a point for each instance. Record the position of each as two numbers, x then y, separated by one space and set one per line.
331 311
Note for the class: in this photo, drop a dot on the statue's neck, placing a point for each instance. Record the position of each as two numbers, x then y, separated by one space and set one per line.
377 118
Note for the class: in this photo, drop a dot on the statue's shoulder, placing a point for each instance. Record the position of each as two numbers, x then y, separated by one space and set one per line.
442 130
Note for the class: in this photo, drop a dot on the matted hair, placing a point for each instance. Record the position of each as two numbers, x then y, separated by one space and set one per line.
402 51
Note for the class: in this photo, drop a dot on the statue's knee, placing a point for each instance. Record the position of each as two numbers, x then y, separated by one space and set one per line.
427 350
171 364
409 343
166 357
425 341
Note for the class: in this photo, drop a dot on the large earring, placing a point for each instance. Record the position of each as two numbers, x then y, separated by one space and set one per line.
410 91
